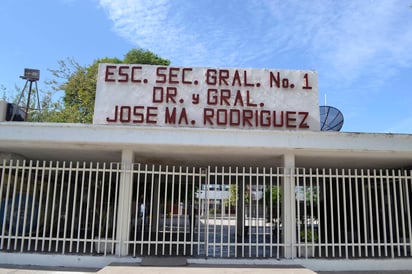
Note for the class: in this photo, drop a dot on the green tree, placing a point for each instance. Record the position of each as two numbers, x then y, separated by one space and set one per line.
79 85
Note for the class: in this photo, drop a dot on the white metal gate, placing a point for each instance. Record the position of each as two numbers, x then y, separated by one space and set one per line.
212 212
65 207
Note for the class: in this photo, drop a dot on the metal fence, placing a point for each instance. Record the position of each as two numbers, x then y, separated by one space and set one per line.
65 207
57 207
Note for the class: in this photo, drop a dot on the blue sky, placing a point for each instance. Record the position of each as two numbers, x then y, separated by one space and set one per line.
362 50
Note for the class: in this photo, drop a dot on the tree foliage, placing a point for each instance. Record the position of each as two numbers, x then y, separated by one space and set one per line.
79 85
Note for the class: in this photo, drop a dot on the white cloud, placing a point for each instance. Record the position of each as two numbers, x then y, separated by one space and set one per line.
349 38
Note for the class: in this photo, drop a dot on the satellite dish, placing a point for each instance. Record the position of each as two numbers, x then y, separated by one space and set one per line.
331 119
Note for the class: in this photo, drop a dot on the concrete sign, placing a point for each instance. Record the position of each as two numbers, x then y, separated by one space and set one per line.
146 95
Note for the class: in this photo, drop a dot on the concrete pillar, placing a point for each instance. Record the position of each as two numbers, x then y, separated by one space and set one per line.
289 212
125 201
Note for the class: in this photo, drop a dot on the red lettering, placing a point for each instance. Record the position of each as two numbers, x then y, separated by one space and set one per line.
281 120
171 93
134 72
138 112
170 118
247 116
184 81
212 97
161 74
238 99
290 119
225 95
109 73
265 118
236 78
245 78
123 76
173 75
114 119
211 78
223 77
125 115
274 79
304 116
233 121
221 117
248 103
208 114
151 115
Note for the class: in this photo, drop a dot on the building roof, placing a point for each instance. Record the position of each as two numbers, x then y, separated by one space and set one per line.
203 147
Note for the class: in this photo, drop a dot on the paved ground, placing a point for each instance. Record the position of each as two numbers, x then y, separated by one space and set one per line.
179 270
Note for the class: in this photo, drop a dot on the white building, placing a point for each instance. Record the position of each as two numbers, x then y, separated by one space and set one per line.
67 187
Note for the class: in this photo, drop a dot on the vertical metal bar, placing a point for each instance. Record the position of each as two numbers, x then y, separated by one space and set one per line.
179 211
358 230
383 200
6 203
19 207
95 201
298 189
46 208
94 214
351 210
370 215
88 202
312 215
270 213
243 202
81 221
365 215
53 206
387 179
101 213
222 188
143 208
33 206
319 216
279 175
378 224
28 195
67 208
345 215
96 211
250 212
408 178
40 209
402 186
215 202
395 205
395 237
185 210
59 215
2 183
150 215
74 213
199 208
338 207
116 195
325 215
192 213
255 176
236 210
138 211
158 216
165 210
172 209
264 193
111 207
